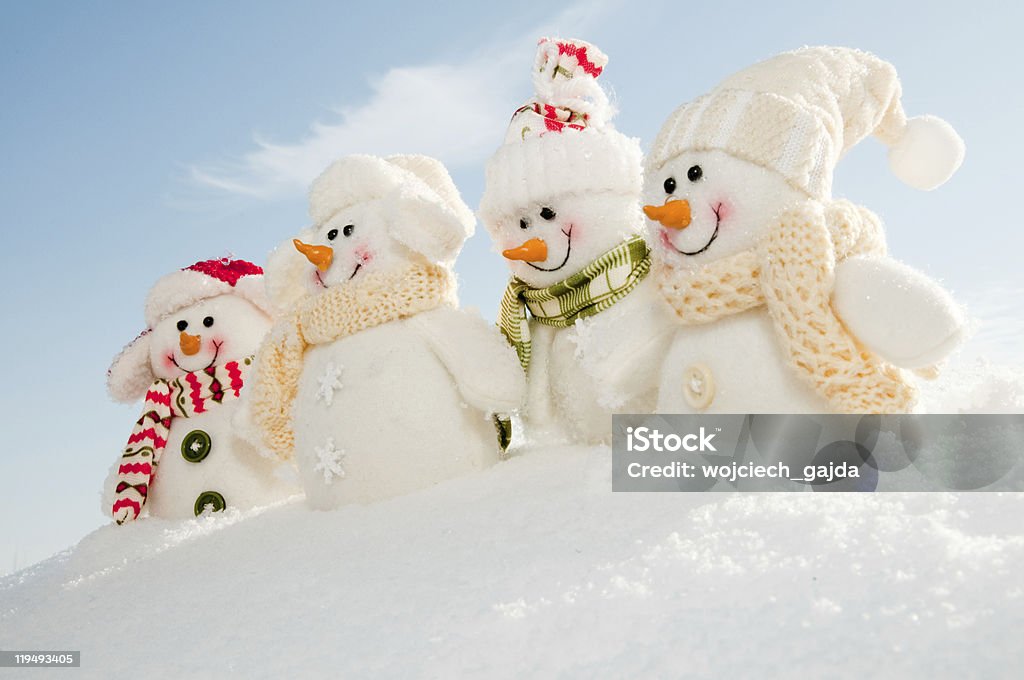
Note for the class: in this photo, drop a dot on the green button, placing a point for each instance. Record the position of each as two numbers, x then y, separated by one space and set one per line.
211 498
195 446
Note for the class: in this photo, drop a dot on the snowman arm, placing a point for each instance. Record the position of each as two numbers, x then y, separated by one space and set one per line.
482 364
896 311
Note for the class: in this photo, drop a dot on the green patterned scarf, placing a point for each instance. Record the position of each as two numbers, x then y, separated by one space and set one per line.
589 291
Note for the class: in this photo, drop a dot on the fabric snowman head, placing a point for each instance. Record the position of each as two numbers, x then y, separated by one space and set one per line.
770 135
206 314
564 187
371 214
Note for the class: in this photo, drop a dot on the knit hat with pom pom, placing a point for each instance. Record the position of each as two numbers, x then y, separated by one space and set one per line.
562 141
797 113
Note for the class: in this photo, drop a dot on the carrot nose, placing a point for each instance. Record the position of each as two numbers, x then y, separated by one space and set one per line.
534 250
320 256
674 214
189 343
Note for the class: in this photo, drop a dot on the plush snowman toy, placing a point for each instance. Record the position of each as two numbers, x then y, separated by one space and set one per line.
375 381
191 366
787 300
562 204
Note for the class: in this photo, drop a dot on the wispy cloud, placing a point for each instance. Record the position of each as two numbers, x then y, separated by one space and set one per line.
455 112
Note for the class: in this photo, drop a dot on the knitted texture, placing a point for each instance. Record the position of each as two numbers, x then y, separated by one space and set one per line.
204 280
561 141
336 313
185 396
589 291
791 271
796 113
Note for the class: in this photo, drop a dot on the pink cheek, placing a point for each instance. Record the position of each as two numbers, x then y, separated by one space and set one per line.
214 343
665 240
724 211
364 255
168 362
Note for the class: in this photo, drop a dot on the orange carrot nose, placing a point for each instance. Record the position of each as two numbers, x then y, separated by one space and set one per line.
534 250
320 256
189 343
674 214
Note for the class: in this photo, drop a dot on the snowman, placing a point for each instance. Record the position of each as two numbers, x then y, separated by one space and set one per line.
191 365
375 381
786 298
562 204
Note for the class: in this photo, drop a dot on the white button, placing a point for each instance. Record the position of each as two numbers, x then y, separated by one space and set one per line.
698 386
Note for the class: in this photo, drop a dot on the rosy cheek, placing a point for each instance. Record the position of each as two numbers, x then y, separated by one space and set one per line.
364 255
724 210
168 361
215 343
665 239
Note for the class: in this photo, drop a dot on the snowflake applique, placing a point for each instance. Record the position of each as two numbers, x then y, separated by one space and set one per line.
329 383
329 459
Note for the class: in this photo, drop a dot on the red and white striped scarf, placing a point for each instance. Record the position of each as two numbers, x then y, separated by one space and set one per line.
185 396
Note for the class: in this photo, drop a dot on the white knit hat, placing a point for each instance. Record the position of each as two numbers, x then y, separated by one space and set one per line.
130 373
797 113
431 217
562 141
424 212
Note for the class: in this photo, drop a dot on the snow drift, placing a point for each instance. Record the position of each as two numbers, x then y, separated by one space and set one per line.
534 568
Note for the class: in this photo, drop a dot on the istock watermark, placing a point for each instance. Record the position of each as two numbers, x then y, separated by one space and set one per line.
818 452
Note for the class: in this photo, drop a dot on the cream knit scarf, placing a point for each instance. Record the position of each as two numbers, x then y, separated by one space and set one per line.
791 271
335 313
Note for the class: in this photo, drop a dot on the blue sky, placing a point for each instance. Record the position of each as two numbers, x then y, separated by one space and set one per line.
137 138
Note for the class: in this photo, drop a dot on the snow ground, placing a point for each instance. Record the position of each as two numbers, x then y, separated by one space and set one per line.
535 568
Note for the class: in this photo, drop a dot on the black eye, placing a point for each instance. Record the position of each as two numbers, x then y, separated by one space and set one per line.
332 234
208 321
670 185
694 173
547 213
523 224
182 325
348 229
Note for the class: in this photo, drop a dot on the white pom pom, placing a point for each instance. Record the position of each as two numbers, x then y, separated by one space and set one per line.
928 154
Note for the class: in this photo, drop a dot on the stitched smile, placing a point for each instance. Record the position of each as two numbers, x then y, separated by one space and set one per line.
355 271
714 235
216 352
568 250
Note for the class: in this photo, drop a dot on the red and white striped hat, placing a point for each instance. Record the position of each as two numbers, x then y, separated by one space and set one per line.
562 141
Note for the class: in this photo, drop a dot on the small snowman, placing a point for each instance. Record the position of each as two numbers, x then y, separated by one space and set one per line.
786 297
375 381
562 204
205 323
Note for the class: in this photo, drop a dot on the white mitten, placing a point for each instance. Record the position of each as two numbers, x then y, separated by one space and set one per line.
896 311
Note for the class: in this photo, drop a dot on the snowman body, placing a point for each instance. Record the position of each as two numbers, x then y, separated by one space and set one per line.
734 365
205 466
604 364
378 414
192 367
737 362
